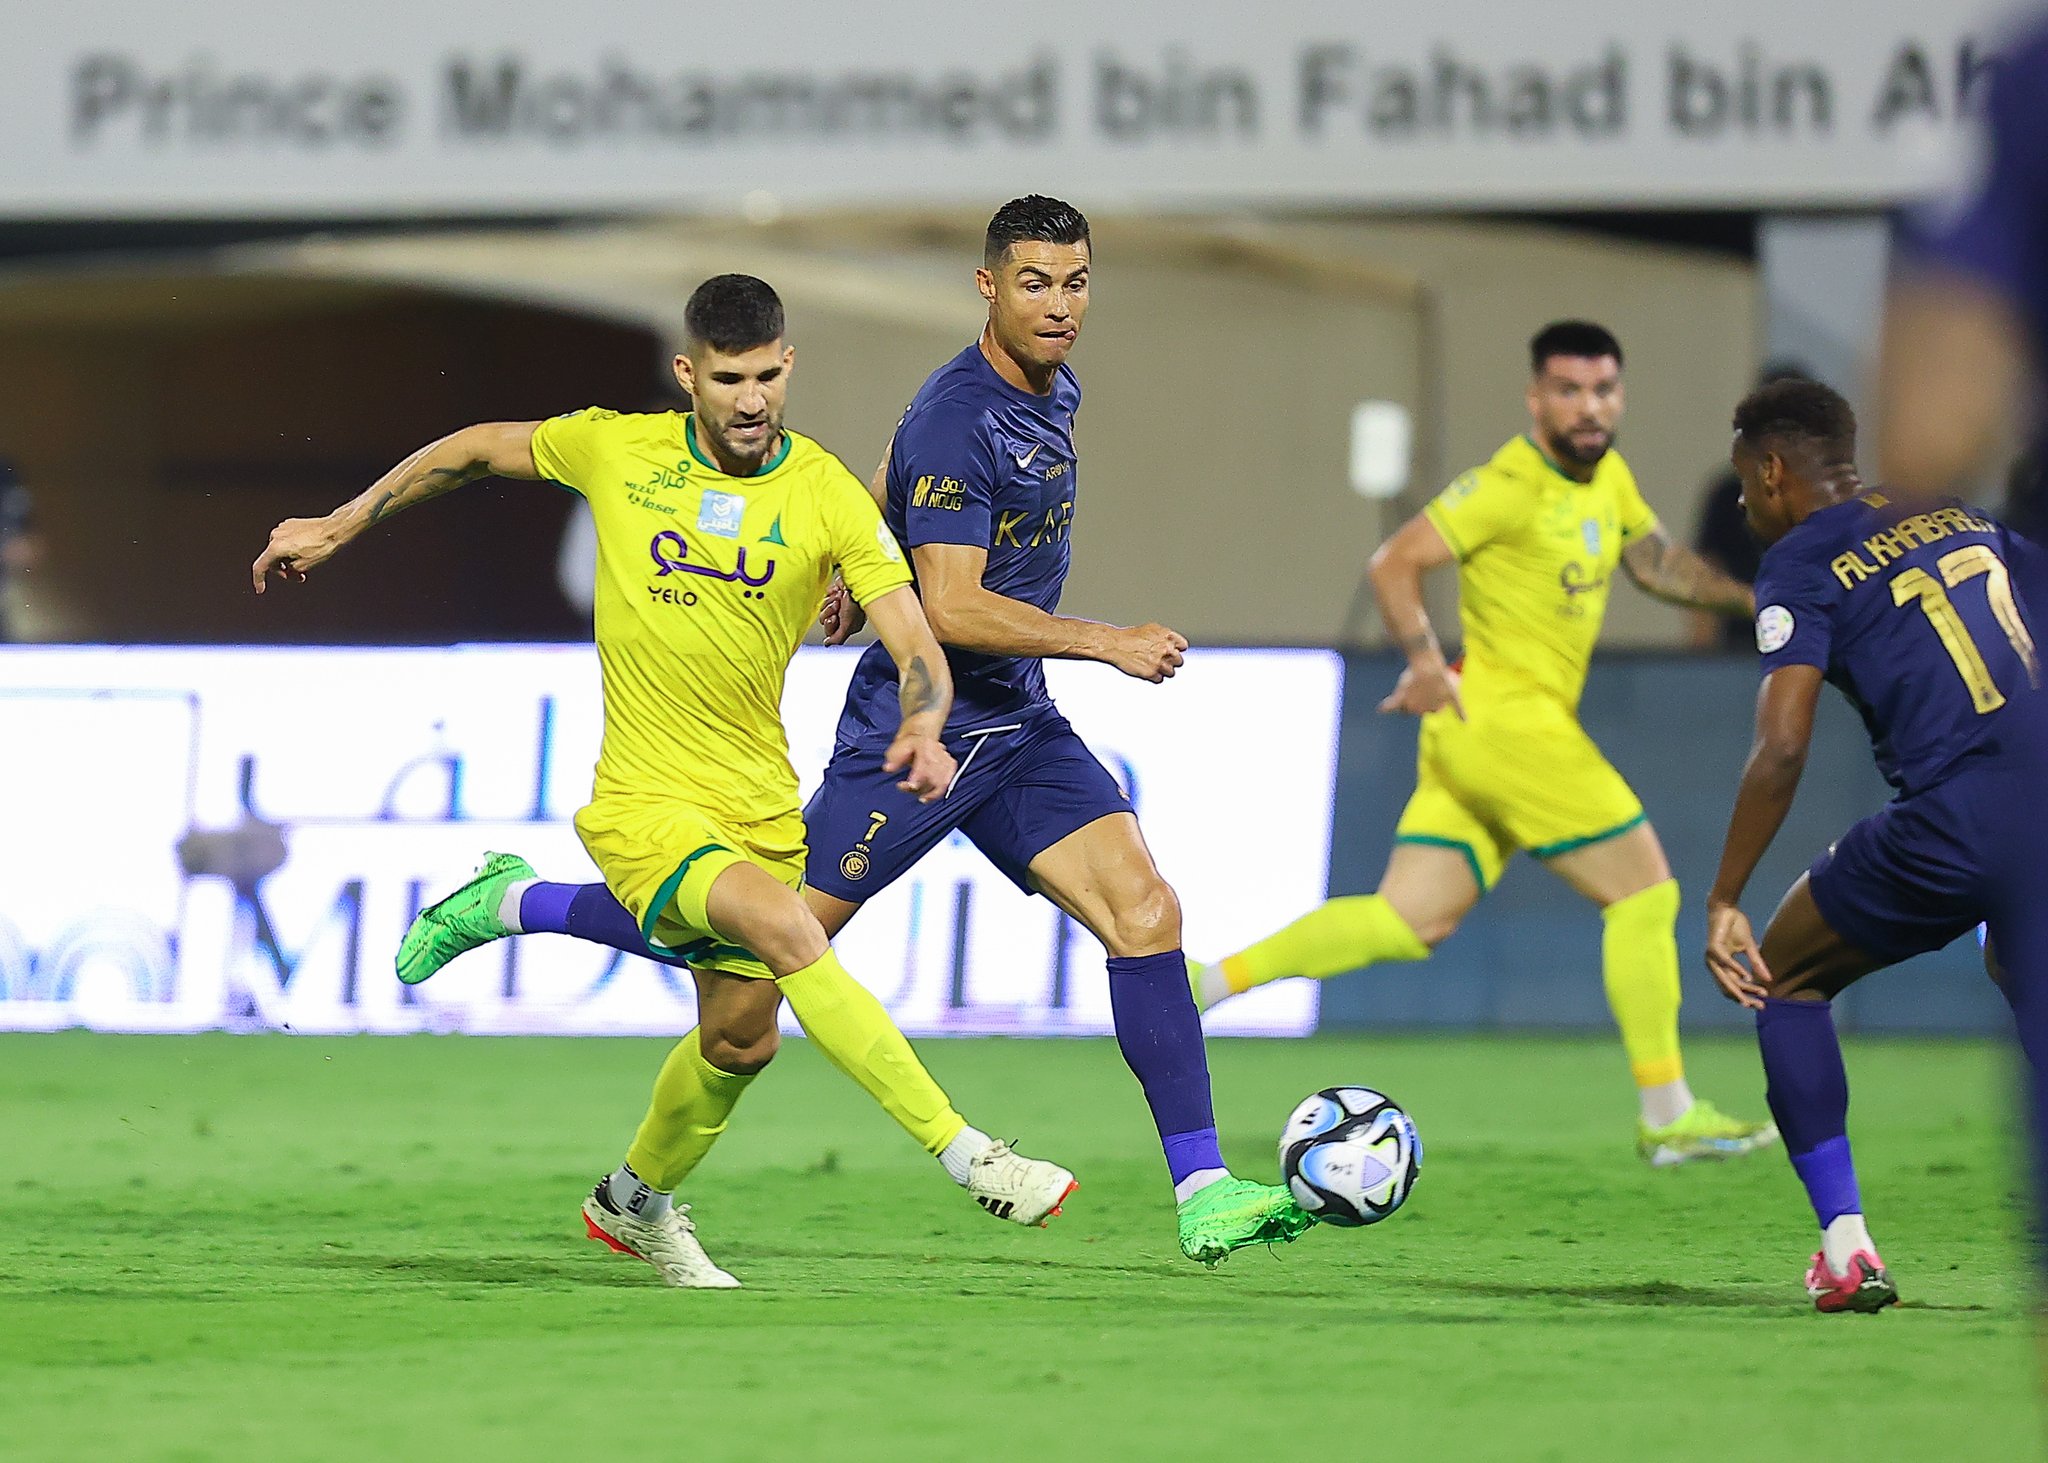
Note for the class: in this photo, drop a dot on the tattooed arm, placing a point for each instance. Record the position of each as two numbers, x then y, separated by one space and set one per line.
500 449
926 697
1675 574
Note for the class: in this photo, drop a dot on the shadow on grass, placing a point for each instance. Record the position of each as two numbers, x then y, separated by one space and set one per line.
1646 1293
486 1269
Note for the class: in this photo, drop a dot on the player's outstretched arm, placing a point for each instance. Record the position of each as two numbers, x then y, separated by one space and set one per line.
1397 569
967 615
490 449
1784 733
925 694
1667 570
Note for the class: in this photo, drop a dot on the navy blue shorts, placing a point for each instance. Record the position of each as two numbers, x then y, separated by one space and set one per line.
1925 869
1020 789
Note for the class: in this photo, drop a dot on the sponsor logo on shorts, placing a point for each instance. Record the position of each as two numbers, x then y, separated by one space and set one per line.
1773 629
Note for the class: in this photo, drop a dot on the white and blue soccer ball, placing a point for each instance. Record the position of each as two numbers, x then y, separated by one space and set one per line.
1350 1155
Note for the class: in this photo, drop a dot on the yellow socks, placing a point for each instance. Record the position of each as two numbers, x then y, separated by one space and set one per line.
857 1036
691 1102
1639 962
1343 934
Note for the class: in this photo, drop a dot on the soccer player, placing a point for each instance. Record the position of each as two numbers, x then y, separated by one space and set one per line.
1969 319
1537 534
1969 314
981 482
1910 612
717 534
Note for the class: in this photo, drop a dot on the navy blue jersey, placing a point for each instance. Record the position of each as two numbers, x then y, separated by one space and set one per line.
1915 620
976 461
1996 229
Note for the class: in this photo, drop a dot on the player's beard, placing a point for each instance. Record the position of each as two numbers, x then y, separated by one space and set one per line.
1567 450
751 453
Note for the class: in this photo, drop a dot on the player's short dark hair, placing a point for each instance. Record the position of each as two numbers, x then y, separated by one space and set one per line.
733 313
1035 218
1572 338
1796 411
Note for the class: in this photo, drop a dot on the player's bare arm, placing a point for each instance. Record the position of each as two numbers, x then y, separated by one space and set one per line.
841 616
1953 358
966 614
489 449
926 695
1397 570
1784 734
1665 569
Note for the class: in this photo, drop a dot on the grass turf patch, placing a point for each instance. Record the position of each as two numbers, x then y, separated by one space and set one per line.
303 1247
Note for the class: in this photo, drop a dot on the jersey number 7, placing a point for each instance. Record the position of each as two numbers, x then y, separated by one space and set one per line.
1957 566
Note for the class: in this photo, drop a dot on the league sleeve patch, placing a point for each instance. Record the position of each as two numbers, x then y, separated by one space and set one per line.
887 541
1773 629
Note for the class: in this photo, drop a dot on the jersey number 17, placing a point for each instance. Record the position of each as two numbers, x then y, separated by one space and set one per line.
1957 566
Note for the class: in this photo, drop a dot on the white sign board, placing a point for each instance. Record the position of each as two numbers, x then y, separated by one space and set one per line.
211 107
392 771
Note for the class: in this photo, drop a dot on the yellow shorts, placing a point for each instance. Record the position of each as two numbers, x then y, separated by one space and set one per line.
1524 777
659 858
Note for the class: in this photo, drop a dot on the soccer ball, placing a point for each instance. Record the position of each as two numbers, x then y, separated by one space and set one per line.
1350 1155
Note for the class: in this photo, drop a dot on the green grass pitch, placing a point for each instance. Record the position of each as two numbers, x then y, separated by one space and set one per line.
298 1247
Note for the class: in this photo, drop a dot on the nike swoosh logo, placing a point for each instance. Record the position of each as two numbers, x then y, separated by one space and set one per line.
1025 460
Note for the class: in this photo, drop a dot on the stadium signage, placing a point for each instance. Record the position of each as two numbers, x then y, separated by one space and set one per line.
272 850
378 107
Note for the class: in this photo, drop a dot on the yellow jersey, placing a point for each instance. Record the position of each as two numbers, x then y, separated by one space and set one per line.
705 586
1536 553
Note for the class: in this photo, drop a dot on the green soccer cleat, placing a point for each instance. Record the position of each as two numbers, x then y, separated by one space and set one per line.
461 922
1233 1213
1703 1132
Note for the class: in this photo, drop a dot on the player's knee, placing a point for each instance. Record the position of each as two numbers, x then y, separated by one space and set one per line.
785 937
1147 922
739 1050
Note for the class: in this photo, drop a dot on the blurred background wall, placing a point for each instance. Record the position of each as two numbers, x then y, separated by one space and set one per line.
194 401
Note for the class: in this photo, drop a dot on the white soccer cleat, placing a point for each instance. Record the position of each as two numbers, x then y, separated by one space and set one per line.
669 1244
1019 1189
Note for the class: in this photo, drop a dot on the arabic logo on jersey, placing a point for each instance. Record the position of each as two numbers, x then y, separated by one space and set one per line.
670 552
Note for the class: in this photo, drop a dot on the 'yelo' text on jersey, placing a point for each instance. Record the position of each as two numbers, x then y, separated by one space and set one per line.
705 586
1536 553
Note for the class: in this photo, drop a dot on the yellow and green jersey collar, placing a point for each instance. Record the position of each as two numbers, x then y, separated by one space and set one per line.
690 440
1537 448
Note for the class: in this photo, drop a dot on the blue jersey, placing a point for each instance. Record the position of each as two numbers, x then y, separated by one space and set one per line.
976 461
1915 620
1996 230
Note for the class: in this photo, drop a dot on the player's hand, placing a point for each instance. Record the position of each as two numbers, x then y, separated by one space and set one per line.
1733 958
841 614
1149 652
296 545
926 765
1420 692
